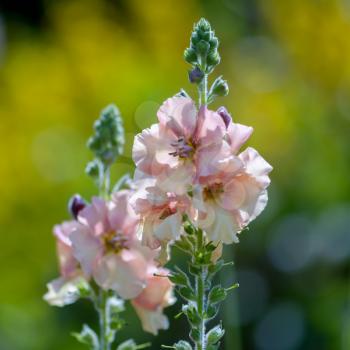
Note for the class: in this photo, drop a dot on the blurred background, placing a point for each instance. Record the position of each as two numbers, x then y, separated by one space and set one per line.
288 66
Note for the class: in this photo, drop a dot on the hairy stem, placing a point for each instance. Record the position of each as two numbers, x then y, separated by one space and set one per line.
203 91
104 324
201 296
105 343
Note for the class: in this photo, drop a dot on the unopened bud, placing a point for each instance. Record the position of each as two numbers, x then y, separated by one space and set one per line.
195 75
219 88
190 56
225 115
75 205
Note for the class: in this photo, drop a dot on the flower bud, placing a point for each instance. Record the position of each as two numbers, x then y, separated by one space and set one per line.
225 115
75 205
93 169
203 25
195 75
108 141
203 48
213 58
190 56
219 88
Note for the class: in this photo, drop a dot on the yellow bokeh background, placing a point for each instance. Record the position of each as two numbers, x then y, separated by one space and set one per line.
288 67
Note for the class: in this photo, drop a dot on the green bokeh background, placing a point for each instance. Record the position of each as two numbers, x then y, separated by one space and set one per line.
288 67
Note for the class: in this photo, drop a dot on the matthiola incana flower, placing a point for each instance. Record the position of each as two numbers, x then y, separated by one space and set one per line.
181 138
106 246
100 255
191 160
195 188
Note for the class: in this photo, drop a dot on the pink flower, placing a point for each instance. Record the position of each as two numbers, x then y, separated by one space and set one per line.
67 288
154 298
230 199
190 160
106 246
181 135
161 212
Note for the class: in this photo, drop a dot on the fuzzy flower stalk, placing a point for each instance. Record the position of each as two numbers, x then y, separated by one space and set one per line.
196 190
100 256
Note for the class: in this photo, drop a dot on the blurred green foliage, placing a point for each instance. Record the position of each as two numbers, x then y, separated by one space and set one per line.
288 66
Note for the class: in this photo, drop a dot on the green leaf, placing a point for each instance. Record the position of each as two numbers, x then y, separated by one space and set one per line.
186 293
195 335
179 278
217 294
192 315
211 312
131 345
182 345
215 334
87 336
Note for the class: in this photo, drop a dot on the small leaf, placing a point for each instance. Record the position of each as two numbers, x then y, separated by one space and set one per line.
187 293
179 278
182 345
195 335
215 334
192 314
131 345
195 270
212 311
217 294
87 336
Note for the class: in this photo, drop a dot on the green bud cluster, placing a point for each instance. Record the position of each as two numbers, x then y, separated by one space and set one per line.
202 299
203 50
108 141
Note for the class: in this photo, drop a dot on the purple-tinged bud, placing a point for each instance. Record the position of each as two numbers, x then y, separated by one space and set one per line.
75 205
225 115
195 75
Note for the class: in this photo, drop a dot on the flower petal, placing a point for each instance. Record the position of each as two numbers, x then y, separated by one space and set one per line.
124 272
151 151
178 114
237 135
86 249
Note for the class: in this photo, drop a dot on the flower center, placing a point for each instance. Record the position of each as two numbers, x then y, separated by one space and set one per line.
169 210
183 149
114 242
212 191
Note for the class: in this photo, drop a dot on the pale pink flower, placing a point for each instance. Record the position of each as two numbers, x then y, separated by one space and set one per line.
66 289
106 246
179 138
157 295
161 212
229 200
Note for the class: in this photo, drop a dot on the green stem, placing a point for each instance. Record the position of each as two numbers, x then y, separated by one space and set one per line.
105 343
203 91
104 324
201 297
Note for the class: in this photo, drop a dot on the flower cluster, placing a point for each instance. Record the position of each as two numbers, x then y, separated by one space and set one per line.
189 163
100 246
